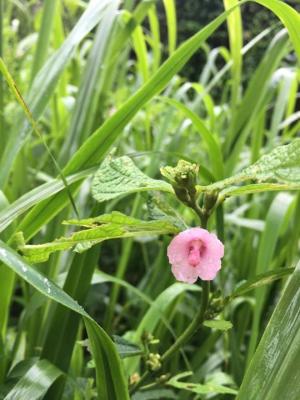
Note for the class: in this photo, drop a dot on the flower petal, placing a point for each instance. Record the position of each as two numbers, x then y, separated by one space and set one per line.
185 274
208 272
183 263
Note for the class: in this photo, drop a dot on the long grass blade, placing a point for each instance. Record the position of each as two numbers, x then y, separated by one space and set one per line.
45 32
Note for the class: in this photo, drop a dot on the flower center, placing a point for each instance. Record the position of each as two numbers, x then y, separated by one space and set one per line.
194 256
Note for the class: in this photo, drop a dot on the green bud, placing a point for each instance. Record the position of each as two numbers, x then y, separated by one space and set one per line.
183 175
153 362
183 178
210 200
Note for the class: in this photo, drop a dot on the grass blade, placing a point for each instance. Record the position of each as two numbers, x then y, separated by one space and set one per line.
110 376
36 195
45 83
170 9
35 383
90 88
274 222
273 372
235 30
45 32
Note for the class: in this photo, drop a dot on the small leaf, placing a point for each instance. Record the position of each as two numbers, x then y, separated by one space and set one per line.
160 210
206 388
107 226
219 324
157 394
126 348
120 176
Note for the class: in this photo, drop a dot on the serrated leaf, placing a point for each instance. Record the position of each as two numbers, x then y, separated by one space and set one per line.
219 324
281 167
207 388
282 164
107 226
120 176
159 209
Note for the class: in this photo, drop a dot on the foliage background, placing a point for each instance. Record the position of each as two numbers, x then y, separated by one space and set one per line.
43 331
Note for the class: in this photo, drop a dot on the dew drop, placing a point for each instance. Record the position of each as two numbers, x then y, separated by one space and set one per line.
3 252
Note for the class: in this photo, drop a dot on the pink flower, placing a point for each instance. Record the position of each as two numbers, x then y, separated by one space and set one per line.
195 253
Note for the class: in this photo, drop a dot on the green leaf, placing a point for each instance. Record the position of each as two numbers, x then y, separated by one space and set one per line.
160 209
219 324
207 388
111 382
170 9
254 100
35 383
261 280
120 176
37 280
288 16
157 394
126 348
281 165
45 31
34 196
274 370
275 221
140 47
92 83
107 226
235 31
258 188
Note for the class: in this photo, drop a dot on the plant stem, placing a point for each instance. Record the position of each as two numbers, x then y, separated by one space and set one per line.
185 336
199 317
194 325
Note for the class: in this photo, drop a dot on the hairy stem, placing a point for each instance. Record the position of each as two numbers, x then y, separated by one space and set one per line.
203 215
185 336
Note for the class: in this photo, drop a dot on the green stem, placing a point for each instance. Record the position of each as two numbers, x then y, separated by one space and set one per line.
203 215
185 336
194 325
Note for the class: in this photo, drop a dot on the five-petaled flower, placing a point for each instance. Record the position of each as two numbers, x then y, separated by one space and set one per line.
195 253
